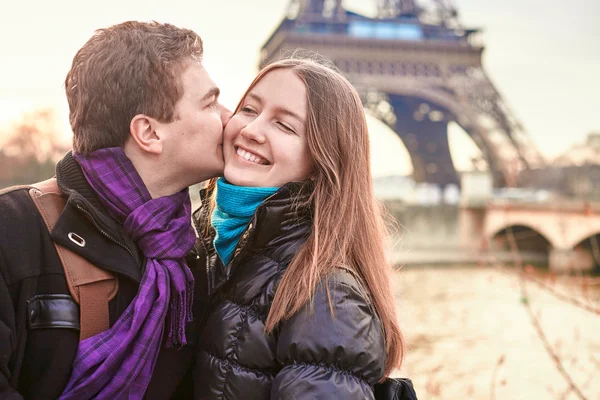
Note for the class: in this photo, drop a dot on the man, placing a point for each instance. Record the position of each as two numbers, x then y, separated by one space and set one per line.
146 124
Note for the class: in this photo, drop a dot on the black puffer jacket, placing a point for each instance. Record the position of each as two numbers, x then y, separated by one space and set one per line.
313 355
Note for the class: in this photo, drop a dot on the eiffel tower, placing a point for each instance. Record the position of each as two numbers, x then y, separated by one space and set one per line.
417 69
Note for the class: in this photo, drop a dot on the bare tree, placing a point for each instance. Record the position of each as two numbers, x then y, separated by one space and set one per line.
31 149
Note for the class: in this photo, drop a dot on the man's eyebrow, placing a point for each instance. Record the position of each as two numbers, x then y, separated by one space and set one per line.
278 110
215 91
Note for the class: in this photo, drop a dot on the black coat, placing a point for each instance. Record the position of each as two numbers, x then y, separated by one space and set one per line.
37 349
313 355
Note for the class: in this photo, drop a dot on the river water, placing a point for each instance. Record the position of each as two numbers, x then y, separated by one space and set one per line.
461 322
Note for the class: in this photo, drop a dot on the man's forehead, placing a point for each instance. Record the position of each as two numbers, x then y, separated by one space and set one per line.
199 81
210 73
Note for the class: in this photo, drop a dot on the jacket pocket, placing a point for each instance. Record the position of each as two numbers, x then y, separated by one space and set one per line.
52 311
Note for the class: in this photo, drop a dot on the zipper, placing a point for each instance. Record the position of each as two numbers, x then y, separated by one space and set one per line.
105 234
214 293
208 277
246 234
237 249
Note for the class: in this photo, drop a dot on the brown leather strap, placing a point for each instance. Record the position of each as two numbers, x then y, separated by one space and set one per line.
91 287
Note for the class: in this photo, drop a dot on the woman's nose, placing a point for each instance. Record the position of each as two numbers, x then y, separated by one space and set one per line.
253 131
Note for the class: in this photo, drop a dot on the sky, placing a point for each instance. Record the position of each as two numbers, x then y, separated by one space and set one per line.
543 58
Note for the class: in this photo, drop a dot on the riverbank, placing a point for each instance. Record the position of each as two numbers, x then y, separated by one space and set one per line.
470 336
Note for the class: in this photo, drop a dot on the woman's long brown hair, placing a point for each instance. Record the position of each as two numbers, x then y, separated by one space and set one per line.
348 228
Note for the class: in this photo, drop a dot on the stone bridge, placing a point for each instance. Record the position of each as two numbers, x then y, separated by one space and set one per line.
567 232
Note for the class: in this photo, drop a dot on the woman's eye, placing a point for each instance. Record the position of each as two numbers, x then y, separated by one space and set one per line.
285 127
247 109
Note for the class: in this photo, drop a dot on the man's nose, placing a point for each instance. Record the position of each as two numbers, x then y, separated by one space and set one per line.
226 115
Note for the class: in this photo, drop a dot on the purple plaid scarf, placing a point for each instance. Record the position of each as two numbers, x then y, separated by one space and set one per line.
118 363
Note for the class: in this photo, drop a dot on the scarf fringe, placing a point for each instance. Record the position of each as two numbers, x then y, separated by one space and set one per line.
180 313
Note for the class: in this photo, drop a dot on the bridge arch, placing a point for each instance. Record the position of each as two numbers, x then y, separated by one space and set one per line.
593 236
498 220
522 233
589 248
584 254
530 243
583 229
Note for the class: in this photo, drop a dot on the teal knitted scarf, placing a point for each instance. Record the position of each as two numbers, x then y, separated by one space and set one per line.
235 206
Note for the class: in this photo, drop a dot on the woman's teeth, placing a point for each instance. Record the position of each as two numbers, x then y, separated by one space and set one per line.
251 157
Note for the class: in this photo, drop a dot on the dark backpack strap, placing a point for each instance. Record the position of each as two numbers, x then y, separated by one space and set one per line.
91 287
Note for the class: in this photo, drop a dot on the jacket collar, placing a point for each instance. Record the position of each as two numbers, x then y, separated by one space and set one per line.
287 207
277 229
286 211
107 245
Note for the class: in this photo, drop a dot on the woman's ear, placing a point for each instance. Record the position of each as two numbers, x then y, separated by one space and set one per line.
313 174
143 131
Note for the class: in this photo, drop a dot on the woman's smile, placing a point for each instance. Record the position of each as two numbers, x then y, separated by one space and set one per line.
250 157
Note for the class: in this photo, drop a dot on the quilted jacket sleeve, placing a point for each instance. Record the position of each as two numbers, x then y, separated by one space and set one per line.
331 357
7 340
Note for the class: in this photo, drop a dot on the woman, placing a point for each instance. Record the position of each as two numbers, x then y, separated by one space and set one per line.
301 306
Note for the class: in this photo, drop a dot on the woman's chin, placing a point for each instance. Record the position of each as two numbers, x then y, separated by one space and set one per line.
239 179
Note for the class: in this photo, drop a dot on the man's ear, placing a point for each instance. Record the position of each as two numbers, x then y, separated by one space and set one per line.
143 131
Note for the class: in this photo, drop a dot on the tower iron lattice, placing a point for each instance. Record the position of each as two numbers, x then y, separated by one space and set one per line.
417 69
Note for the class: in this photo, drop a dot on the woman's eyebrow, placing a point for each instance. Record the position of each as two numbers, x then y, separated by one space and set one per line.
255 97
278 110
285 111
